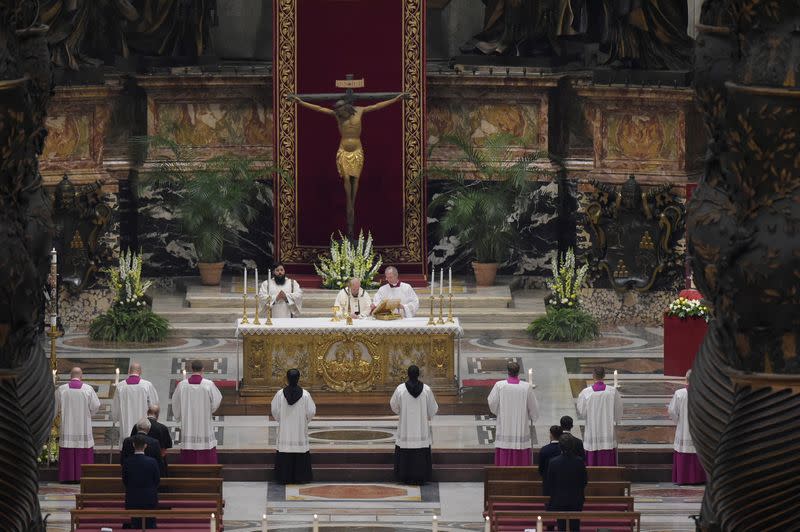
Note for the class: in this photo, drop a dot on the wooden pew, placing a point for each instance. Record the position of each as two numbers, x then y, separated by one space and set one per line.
210 502
538 502
174 470
595 473
87 520
517 521
496 489
172 484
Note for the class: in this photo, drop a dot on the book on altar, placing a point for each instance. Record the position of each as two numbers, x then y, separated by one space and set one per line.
387 310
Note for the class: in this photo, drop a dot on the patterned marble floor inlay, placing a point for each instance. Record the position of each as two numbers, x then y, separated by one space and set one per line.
354 492
351 435
94 366
581 365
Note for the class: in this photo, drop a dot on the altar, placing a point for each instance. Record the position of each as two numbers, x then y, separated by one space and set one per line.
365 357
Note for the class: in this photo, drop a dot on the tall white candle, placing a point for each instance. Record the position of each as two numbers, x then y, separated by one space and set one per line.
183 371
53 256
450 280
213 524
263 522
116 380
54 376
433 279
435 524
256 290
269 280
315 524
539 525
53 320
245 281
487 527
441 280
616 380
530 375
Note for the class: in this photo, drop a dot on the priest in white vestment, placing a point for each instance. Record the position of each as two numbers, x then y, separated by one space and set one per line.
194 402
395 290
132 398
686 467
414 402
293 409
514 404
354 299
285 295
77 402
601 406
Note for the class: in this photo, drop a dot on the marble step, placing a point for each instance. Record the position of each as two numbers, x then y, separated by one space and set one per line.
224 315
214 296
504 329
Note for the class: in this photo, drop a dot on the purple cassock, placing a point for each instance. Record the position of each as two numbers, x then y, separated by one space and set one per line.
198 456
70 459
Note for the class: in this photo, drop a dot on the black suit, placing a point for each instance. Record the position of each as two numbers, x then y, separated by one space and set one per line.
547 453
153 450
579 446
565 483
158 431
141 478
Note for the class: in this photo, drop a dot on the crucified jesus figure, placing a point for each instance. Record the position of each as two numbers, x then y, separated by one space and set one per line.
350 155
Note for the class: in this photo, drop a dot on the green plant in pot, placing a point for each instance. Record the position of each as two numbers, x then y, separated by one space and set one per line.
213 198
482 188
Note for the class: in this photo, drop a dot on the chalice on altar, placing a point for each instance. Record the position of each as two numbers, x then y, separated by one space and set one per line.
335 313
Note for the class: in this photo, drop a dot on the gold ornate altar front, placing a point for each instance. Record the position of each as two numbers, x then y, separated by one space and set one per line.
368 356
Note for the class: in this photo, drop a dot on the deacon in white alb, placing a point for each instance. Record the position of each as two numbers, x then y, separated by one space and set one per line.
194 402
686 467
293 409
76 401
357 297
516 408
414 402
133 397
285 293
394 289
601 405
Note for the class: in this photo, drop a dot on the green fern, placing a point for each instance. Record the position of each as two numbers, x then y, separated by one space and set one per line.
121 324
564 325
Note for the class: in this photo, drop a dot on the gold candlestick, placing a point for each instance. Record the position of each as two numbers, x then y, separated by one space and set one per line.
269 310
256 321
335 317
440 321
349 319
431 319
450 310
244 309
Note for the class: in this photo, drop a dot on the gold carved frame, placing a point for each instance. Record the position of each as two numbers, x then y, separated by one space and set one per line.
412 249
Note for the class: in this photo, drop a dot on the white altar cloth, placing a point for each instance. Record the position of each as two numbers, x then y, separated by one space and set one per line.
323 325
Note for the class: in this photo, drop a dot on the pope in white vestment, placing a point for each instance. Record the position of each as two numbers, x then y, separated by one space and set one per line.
132 398
356 297
394 289
293 409
516 408
284 293
601 406
194 402
77 402
686 467
414 402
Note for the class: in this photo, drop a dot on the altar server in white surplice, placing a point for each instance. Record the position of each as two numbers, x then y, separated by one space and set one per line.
356 297
394 289
601 406
516 408
686 468
194 402
285 294
132 399
414 402
77 402
293 409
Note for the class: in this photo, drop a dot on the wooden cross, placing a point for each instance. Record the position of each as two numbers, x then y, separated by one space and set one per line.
348 95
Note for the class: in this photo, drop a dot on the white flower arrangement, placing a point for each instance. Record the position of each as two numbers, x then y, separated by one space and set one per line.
126 280
688 308
565 286
348 260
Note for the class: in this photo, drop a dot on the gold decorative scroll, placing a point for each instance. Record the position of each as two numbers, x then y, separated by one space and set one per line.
289 249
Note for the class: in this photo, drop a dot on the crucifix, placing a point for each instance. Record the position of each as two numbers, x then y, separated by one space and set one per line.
350 155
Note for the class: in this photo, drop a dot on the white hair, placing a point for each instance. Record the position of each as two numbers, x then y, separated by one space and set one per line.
143 425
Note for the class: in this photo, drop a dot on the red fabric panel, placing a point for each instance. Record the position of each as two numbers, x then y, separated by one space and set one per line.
682 340
363 38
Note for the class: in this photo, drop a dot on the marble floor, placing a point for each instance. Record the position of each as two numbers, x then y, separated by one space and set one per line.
560 371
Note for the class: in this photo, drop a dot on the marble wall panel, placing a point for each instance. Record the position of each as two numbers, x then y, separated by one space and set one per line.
631 308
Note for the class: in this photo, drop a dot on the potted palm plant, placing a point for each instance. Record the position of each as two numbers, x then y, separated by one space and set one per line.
478 200
214 198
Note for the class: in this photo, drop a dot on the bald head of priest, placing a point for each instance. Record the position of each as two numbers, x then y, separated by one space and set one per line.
353 299
407 302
